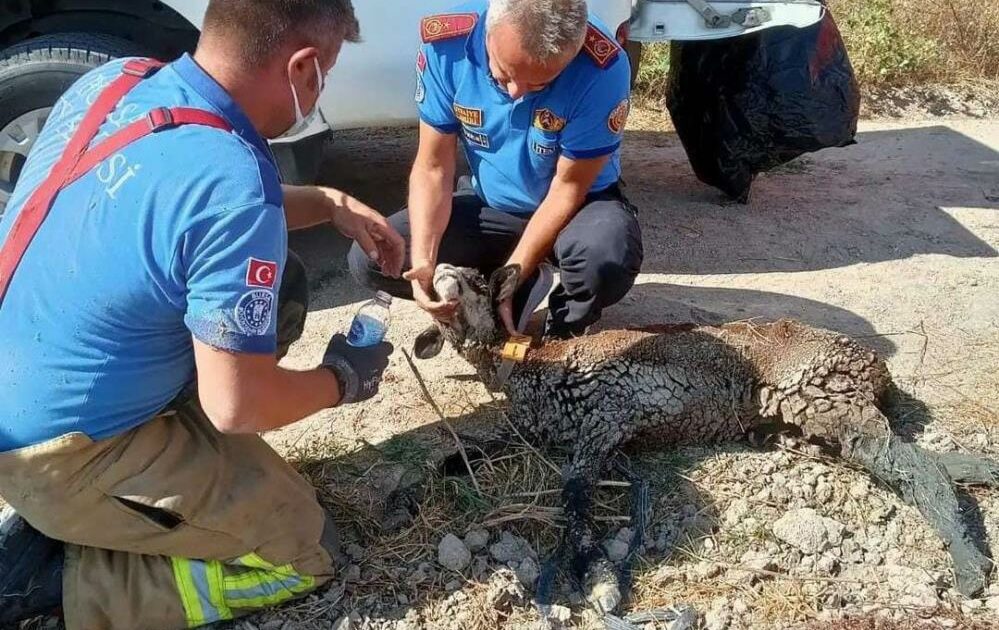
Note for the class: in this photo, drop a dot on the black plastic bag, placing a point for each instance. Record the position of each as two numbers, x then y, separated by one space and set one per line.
747 104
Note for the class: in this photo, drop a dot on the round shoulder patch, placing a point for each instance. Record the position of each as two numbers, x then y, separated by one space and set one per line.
253 312
619 117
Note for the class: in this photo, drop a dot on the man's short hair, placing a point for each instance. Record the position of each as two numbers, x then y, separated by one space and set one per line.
261 28
549 29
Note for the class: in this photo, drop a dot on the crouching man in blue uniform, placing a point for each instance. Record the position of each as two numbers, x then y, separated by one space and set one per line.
537 93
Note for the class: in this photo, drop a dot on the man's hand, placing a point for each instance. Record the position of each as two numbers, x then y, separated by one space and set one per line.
422 278
308 206
373 233
359 370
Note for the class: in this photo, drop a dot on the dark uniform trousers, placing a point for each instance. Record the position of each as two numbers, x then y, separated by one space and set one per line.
598 254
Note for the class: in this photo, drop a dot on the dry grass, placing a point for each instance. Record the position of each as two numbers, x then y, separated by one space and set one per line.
894 43
911 41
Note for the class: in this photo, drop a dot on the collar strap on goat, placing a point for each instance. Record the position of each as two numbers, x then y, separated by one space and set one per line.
514 351
516 348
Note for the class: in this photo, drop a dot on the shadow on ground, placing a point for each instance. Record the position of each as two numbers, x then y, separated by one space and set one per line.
889 197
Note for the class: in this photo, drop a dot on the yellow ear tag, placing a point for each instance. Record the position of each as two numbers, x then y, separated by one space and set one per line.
516 349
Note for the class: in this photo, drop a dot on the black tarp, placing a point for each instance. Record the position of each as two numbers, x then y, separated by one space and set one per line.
744 105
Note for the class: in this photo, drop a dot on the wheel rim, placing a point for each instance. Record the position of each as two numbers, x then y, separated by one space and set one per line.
16 140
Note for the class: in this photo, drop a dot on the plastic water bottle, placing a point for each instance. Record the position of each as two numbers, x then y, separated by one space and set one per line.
371 322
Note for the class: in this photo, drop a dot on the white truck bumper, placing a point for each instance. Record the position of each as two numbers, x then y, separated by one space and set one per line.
687 20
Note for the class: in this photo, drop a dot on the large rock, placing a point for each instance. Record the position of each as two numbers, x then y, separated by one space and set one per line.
511 548
453 554
476 540
504 591
528 572
808 530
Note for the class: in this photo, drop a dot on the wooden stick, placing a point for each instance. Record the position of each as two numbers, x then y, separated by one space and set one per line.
447 423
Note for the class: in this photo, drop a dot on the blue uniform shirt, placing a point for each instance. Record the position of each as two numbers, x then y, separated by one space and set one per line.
514 146
182 232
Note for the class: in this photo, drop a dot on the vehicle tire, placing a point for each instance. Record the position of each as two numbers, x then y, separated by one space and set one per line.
634 51
33 75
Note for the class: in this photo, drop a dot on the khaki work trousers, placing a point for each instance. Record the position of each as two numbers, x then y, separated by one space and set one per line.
172 524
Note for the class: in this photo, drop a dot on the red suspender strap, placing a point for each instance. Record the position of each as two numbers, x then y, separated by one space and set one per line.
154 121
77 160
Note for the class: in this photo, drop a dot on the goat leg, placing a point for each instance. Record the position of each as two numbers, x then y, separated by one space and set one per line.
589 566
971 470
922 481
544 591
583 547
640 507
577 547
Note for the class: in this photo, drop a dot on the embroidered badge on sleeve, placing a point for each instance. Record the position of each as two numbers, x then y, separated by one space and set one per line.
253 312
619 117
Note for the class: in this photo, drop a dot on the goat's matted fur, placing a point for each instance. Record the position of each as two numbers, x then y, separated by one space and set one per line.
698 384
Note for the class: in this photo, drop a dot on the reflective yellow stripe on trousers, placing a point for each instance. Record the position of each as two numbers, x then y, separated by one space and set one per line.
208 595
200 585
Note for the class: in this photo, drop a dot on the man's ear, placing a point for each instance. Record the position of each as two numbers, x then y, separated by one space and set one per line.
429 343
503 283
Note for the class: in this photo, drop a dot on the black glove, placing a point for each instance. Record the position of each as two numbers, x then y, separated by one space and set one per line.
359 370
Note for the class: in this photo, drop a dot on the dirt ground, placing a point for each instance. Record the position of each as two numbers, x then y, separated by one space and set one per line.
893 241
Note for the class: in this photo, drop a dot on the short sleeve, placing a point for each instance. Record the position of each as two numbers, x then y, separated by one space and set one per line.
434 97
233 263
596 128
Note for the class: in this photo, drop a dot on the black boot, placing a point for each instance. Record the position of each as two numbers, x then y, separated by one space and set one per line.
30 570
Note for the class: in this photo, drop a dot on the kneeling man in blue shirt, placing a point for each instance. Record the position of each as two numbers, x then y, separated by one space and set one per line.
146 296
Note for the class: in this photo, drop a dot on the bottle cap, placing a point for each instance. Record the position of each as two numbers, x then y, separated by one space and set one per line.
382 296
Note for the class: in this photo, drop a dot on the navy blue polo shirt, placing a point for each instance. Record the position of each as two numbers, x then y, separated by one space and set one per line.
182 233
513 146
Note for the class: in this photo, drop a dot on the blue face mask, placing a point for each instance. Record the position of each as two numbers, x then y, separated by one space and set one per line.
302 122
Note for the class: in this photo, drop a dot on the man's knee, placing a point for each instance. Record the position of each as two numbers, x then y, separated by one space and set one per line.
293 303
603 256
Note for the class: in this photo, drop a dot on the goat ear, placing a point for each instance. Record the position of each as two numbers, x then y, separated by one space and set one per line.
503 283
429 343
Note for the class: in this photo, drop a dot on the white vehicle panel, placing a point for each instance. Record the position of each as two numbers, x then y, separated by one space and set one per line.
677 20
374 82
192 10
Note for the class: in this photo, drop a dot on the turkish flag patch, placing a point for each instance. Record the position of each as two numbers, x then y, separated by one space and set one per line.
261 273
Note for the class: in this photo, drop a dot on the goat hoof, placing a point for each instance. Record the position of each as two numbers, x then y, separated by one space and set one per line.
969 469
971 577
603 590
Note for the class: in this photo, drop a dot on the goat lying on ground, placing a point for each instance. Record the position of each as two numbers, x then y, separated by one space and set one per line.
697 384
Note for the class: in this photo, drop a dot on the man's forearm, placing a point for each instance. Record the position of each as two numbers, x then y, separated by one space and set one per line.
290 396
271 399
306 206
557 210
430 191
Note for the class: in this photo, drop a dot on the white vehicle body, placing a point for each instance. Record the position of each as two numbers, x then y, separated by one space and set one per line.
46 44
374 81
